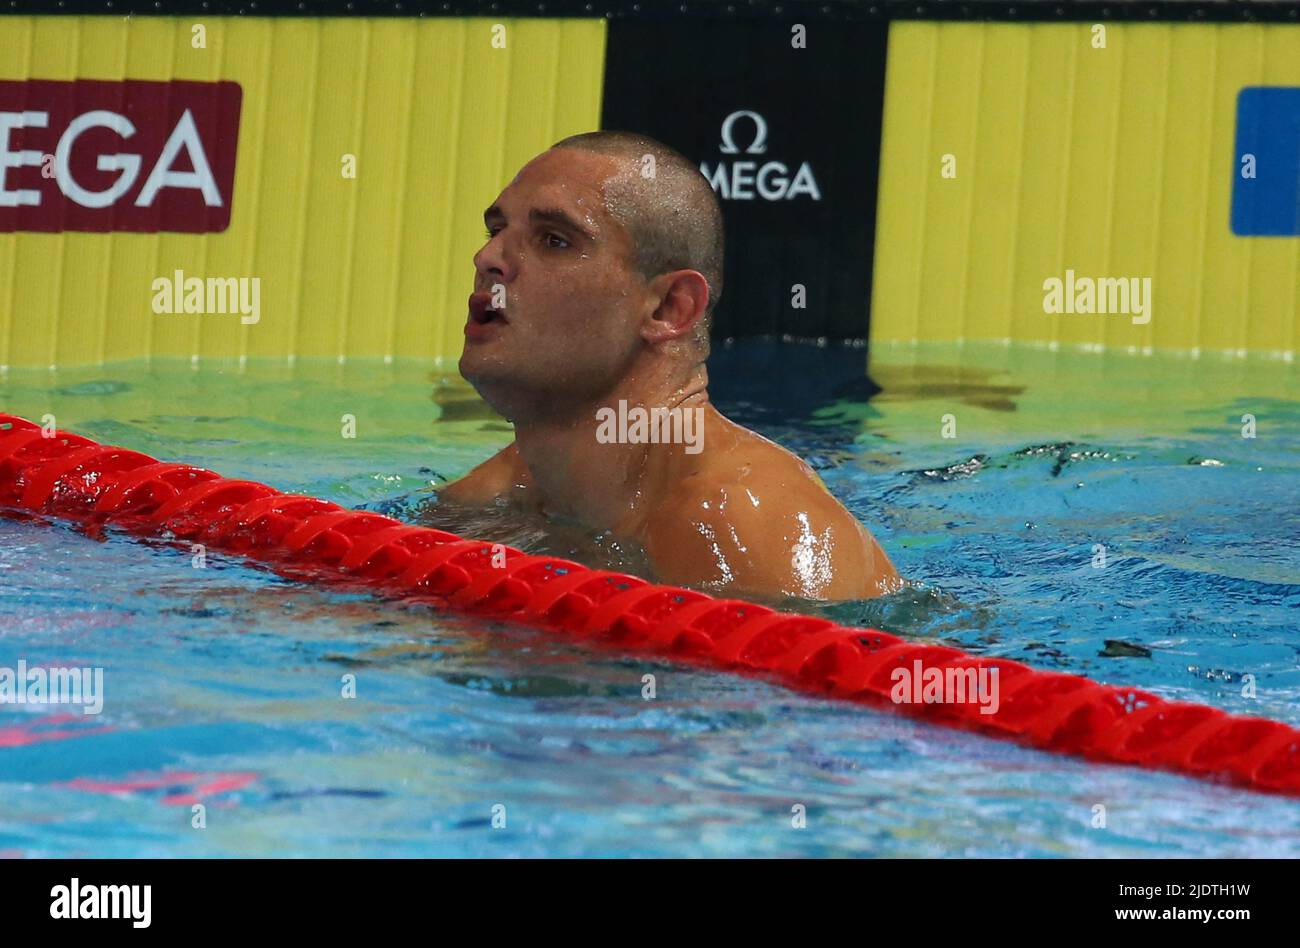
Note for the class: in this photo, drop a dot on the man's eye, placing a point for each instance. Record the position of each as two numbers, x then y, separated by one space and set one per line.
490 233
555 241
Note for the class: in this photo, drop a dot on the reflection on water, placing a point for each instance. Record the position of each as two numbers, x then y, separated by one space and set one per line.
955 384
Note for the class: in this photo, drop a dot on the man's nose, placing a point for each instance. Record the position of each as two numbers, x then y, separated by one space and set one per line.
494 259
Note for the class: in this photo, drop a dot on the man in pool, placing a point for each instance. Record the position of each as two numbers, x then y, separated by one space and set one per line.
588 329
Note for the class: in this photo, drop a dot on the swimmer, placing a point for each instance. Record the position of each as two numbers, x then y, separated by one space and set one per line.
591 305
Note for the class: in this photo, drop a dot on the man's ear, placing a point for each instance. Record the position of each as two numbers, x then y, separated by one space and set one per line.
683 298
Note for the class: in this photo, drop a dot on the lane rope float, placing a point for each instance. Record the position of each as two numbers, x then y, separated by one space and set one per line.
63 475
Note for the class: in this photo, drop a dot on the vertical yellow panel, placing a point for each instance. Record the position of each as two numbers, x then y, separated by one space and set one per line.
1139 171
279 108
383 142
1087 224
1234 62
996 203
906 167
1112 161
328 240
430 245
948 209
1185 181
1045 158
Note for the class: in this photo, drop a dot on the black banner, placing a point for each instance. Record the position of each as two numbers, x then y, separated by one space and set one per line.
783 117
333 899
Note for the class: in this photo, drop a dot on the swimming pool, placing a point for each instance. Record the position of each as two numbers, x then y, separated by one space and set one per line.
223 684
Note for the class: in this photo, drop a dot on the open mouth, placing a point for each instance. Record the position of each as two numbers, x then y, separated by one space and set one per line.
481 312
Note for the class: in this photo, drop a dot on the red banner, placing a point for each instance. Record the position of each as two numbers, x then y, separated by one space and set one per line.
98 156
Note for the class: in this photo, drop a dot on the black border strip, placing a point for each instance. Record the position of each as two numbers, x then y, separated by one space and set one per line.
328 900
1027 11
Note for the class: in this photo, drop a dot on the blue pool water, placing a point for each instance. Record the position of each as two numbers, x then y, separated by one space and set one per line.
223 684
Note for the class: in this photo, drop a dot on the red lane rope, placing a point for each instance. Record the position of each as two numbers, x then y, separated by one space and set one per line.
71 477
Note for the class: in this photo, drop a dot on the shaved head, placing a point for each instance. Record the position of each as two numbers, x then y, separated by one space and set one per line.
667 207
601 261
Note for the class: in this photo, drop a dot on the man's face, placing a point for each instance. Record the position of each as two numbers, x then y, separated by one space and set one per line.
573 302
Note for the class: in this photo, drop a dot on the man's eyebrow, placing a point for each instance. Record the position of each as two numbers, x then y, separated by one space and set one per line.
556 216
551 215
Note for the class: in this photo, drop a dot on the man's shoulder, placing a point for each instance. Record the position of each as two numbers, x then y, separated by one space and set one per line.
748 463
769 492
501 475
758 518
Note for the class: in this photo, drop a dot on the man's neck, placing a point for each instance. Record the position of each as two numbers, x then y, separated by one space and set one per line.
602 484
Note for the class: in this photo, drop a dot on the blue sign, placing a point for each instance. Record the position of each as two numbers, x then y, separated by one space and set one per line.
1268 147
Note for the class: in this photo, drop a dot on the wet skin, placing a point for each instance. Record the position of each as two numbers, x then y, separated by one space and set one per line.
582 329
